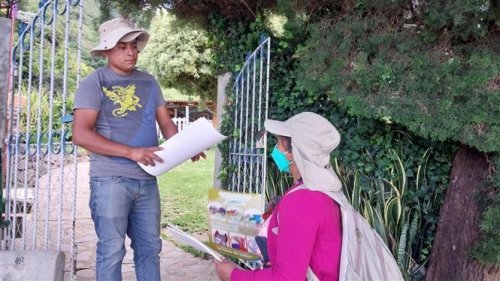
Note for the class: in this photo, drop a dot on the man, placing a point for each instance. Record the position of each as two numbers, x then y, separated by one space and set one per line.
115 114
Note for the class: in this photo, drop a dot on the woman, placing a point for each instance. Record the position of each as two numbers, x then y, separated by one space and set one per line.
304 235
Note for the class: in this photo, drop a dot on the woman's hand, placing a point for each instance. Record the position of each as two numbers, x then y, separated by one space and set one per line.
224 269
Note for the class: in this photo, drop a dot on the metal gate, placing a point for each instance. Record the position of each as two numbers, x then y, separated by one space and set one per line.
249 108
41 161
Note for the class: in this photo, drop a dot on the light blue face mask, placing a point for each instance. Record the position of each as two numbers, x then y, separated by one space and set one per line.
280 160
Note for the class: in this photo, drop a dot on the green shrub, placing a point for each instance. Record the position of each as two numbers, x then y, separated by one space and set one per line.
437 95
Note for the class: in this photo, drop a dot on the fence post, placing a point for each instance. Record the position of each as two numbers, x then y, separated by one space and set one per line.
5 28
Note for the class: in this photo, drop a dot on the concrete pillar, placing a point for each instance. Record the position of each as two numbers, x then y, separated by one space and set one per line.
222 82
5 26
47 265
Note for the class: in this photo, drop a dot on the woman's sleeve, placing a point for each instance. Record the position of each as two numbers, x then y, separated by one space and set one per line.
298 224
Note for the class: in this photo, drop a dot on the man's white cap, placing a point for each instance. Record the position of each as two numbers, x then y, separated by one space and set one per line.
313 139
118 30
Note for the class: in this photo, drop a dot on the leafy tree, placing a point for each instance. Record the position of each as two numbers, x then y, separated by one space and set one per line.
179 55
141 12
234 9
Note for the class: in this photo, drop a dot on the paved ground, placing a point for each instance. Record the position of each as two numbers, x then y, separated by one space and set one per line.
176 265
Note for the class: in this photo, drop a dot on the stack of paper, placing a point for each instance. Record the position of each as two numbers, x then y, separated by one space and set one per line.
195 138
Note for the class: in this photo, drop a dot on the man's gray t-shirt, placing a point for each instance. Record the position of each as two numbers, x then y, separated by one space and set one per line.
127 115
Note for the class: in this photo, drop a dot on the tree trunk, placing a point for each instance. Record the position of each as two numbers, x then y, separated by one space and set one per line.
458 226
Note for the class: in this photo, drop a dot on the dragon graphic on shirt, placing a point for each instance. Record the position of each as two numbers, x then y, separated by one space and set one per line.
125 97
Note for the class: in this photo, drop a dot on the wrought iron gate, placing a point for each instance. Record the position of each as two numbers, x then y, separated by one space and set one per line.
249 111
41 161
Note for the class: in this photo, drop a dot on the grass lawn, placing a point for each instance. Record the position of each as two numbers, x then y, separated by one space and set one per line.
184 194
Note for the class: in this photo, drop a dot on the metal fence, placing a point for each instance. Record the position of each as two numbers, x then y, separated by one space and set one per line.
249 111
41 161
180 122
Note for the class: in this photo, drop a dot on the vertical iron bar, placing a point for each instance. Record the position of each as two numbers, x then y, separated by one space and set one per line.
240 127
27 133
63 125
39 133
264 170
253 149
246 149
259 168
50 129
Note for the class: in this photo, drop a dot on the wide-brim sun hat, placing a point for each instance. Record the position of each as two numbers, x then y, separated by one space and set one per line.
118 30
313 139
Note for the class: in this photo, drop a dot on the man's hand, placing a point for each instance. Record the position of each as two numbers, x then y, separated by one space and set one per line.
198 156
145 155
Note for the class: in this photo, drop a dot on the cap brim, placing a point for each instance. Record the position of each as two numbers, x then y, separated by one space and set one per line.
277 127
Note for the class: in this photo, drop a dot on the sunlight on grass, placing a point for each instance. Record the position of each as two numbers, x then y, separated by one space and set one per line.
184 194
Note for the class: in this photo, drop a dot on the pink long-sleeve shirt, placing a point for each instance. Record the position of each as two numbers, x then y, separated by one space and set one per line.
305 230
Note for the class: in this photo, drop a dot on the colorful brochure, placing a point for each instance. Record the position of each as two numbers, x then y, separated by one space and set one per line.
235 219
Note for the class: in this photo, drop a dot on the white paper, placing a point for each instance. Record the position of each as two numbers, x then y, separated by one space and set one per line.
187 239
195 138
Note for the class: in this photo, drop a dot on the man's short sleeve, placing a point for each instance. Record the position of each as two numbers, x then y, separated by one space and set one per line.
160 100
89 94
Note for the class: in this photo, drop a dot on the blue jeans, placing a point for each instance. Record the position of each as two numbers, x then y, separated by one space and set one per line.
120 206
